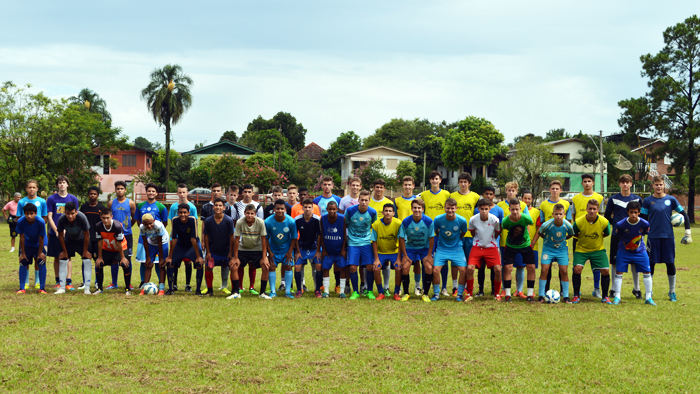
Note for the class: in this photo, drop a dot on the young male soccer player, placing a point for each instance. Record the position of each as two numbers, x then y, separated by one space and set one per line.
404 210
495 210
385 248
554 233
111 249
207 212
250 248
658 209
485 228
358 224
217 232
578 210
546 213
155 244
276 195
91 209
527 198
9 211
31 188
32 232
518 243
124 212
449 230
309 246
511 193
182 201
74 238
630 234
615 211
160 213
55 205
298 209
416 237
232 199
352 198
466 205
333 248
327 196
282 241
292 196
434 206
590 230
183 245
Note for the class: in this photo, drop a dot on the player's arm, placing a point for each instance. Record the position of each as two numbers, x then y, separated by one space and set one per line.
609 210
173 243
5 213
132 206
576 230
318 256
265 246
23 256
606 231
687 239
51 223
293 245
41 255
429 258
61 240
161 251
402 250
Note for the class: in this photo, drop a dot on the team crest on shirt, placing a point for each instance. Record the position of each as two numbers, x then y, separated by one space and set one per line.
332 230
148 209
667 202
362 219
38 204
286 230
558 233
448 233
455 228
280 236
417 228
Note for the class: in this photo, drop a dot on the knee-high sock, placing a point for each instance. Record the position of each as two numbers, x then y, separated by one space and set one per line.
209 277
23 274
369 281
326 280
142 271
175 272
62 272
617 285
288 278
170 271
426 282
241 273
647 286
99 275
272 278
493 280
519 278
115 273
507 284
320 282
199 276
671 272
416 277
652 266
336 274
225 272
127 276
549 280
635 277
564 289
188 274
297 279
481 277
353 280
36 276
42 276
386 275
596 279
87 273
470 286
576 278
406 281
605 284
157 269
443 275
541 287
251 275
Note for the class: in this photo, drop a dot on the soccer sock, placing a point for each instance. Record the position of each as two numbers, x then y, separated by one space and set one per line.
436 291
241 273
617 285
576 278
252 273
336 275
564 289
369 282
497 287
288 280
161 286
58 280
198 278
519 279
297 279
127 276
175 272
158 273
321 281
353 280
530 288
23 273
380 288
99 273
455 283
671 283
481 277
42 276
273 282
326 283
417 279
652 266
426 282
342 285
142 271
493 280
506 286
236 287
115 273
470 286
171 277
386 275
647 285
549 279
541 288
406 280
209 277
635 277
225 272
443 275
188 274
62 272
36 276
87 273
605 282
596 279
69 281
397 289
460 290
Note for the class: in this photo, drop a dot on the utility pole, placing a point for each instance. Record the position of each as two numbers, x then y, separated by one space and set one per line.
602 184
424 164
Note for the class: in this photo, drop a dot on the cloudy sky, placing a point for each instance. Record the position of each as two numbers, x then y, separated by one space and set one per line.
526 66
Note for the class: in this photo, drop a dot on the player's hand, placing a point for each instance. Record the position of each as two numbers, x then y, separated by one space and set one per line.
22 256
62 256
99 262
168 260
87 255
233 263
687 239
210 261
428 260
377 264
323 255
344 253
162 263
297 256
199 261
265 263
318 256
125 262
289 257
406 260
148 263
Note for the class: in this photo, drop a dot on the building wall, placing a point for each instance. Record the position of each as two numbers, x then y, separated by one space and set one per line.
389 159
142 162
199 156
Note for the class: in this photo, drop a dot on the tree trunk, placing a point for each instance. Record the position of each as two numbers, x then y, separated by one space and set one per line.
167 154
691 183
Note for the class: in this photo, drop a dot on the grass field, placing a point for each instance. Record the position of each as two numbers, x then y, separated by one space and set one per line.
181 344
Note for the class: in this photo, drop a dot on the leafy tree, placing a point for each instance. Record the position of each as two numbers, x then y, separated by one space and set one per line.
370 171
307 174
230 136
199 145
289 161
533 166
670 108
347 142
208 161
91 102
200 176
405 168
529 136
228 169
264 177
474 140
293 132
168 97
590 158
140 142
556 135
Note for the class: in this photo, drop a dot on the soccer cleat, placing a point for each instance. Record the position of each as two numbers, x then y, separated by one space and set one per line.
161 292
348 290
112 286
204 291
380 297
468 298
566 300
289 295
42 291
87 290
70 287
387 293
576 300
498 297
37 285
436 297
337 290
82 287
508 298
425 298
210 293
60 291
298 294
143 292
418 292
355 295
363 288
454 292
530 299
253 291
540 299
131 287
170 292
606 300
56 286
281 288
12 249
616 301
265 296
612 294
520 294
649 301
21 291
174 287
272 294
234 296
198 293
365 292
672 297
226 291
318 294
241 290
127 293
397 297
370 295
326 295
480 293
597 293
304 289
459 298
444 293
637 294
405 297
98 291
188 289
342 295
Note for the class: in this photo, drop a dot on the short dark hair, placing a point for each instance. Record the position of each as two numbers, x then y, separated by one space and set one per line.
221 200
451 202
182 186
331 203
527 191
249 207
378 181
233 189
183 206
62 178
247 186
593 202
388 205
634 205
281 202
105 211
434 173
95 188
589 176
327 178
489 189
277 189
514 201
418 202
558 207
120 183
213 185
303 189
151 185
482 202
30 208
465 175
306 201
69 207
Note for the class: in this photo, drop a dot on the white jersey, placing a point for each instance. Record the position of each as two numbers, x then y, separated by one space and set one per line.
485 231
157 231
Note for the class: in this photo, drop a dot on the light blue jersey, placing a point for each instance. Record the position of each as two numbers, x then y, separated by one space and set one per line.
322 202
173 210
417 234
359 225
40 203
554 237
449 232
280 234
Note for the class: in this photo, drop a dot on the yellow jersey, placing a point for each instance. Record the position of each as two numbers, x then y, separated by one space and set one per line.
403 206
547 211
506 211
534 214
466 204
590 235
379 205
386 236
434 202
578 208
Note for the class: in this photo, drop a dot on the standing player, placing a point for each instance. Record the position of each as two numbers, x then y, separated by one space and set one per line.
527 198
276 195
74 238
554 233
485 228
298 209
416 237
91 209
358 224
31 188
518 243
352 198
512 193
449 230
207 212
434 206
217 232
158 212
232 198
184 245
155 244
590 230
250 248
488 195
9 211
630 233
327 196
658 209
466 205
333 248
615 211
546 213
124 211
282 241
32 232
111 249
55 205
292 197
309 246
184 202
404 209
385 248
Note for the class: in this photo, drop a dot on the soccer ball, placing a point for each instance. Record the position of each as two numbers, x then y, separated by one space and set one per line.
150 288
677 219
552 297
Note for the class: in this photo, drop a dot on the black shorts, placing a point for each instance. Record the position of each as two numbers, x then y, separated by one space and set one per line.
614 241
251 258
179 254
32 255
110 258
13 228
73 248
510 253
129 245
54 246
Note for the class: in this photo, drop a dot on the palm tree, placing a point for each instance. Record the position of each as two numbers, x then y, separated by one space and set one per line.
92 102
167 98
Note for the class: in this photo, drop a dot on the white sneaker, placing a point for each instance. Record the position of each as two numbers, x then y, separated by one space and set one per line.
12 250
233 296
265 296
82 287
87 291
597 293
444 293
418 292
60 291
98 291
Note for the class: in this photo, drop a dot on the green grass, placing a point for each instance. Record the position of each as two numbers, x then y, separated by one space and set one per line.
184 343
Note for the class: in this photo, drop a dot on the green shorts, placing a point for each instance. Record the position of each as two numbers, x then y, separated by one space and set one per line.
599 259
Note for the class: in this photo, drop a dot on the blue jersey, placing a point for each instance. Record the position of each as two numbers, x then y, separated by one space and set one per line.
333 234
617 205
659 211
184 232
416 234
174 208
280 234
632 235
322 202
39 203
121 211
554 237
449 232
57 205
359 225
32 232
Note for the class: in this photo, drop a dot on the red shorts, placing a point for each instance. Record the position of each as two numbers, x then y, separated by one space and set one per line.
491 256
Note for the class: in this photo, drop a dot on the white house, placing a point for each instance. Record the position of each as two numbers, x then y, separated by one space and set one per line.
390 158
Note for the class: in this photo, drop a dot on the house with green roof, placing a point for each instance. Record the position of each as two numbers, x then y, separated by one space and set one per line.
219 149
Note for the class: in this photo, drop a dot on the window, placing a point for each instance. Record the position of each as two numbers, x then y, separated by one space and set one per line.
667 159
391 164
105 165
129 160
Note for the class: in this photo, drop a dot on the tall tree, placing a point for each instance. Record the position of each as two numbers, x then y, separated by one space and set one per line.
294 132
167 98
143 143
474 140
230 136
670 108
532 165
346 142
92 102
556 135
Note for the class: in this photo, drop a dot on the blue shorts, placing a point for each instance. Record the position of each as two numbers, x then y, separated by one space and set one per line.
560 256
467 243
329 261
153 252
663 250
280 260
388 260
32 254
360 255
517 262
640 260
141 253
417 254
307 255
456 256
180 253
219 261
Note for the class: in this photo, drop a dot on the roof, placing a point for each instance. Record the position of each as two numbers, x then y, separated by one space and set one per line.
220 147
563 141
652 142
379 147
311 152
152 153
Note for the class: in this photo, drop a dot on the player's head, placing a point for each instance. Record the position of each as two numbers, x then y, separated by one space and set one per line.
625 182
332 209
657 182
407 183
247 192
280 209
215 191
30 212
388 211
514 206
292 192
232 194
219 204
418 207
435 178
120 188
327 184
355 184
106 216
277 193
147 221
587 181
512 189
592 207
450 207
634 208
62 182
93 193
489 193
363 199
71 211
303 193
484 206
308 205
249 213
182 191
183 212
555 188
151 191
558 212
32 187
527 197
378 187
18 196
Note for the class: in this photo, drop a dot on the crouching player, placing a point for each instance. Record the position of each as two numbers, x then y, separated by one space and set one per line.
111 247
449 230
631 250
184 245
485 228
32 232
385 247
332 247
74 238
155 243
416 242
555 232
590 230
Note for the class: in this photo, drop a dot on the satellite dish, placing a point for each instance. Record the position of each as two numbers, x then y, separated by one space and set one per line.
623 163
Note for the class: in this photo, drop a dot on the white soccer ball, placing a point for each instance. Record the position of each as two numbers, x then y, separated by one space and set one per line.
150 288
552 297
677 219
